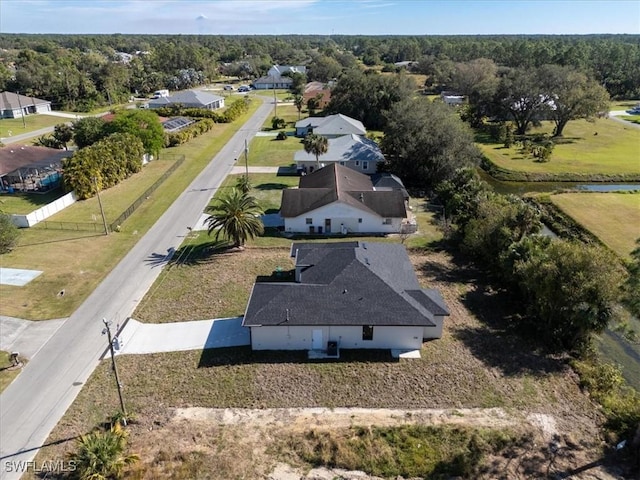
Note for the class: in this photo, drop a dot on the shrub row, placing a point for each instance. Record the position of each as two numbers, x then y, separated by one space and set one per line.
237 108
173 139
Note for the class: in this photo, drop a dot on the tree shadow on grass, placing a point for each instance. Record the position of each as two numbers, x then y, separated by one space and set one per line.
501 341
219 357
271 186
201 253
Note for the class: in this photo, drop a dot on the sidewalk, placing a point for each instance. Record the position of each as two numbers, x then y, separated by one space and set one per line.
24 336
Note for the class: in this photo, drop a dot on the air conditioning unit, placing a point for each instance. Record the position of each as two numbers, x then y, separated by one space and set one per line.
332 348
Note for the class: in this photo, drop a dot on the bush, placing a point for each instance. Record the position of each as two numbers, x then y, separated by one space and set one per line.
282 136
278 123
8 233
173 139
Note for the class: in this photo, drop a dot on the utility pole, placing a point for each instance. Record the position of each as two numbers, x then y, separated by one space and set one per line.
246 158
104 218
275 99
24 124
107 330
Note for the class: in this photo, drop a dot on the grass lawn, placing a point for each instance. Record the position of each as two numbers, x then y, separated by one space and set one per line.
78 261
269 152
613 217
6 375
631 118
614 150
22 203
624 104
290 115
281 95
13 126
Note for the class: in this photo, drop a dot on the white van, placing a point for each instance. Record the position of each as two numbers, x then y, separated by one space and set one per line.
160 93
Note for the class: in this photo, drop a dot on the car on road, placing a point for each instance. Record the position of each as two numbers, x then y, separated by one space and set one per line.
228 87
244 88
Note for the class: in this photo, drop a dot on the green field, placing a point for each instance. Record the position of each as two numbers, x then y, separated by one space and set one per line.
77 261
587 148
267 151
22 203
613 217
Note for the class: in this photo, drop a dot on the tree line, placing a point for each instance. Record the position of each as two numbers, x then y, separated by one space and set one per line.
80 72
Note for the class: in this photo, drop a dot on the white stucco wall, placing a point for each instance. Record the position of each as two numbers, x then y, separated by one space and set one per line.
300 337
42 213
434 332
340 213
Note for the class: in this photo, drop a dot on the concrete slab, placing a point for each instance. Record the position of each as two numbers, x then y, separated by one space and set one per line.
201 224
237 170
406 354
141 338
17 277
25 336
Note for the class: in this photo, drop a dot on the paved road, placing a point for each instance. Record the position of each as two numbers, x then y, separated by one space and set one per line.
34 403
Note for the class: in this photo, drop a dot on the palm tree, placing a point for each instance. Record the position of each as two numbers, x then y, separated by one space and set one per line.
237 216
316 144
298 101
244 184
102 454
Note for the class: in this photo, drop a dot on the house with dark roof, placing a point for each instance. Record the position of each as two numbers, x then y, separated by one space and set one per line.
354 151
330 127
31 169
346 295
189 99
276 78
13 105
339 200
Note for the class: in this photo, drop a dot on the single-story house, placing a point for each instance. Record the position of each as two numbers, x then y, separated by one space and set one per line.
13 105
452 98
189 99
331 126
270 82
353 151
317 90
339 200
282 69
346 295
30 168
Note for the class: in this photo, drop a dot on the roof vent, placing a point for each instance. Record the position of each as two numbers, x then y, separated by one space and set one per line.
344 291
287 315
364 245
366 260
362 197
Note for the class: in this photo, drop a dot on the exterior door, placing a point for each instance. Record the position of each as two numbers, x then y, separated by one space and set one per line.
327 225
316 340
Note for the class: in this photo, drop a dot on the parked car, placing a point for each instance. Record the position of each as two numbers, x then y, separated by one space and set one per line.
228 87
244 88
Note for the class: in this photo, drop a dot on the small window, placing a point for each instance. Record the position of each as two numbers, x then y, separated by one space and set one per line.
367 332
357 163
359 220
365 165
308 221
341 163
386 221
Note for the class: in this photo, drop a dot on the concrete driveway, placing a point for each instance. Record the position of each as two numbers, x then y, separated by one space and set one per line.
140 338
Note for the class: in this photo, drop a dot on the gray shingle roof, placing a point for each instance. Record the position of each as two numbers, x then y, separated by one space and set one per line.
338 183
333 125
345 149
350 283
190 98
12 101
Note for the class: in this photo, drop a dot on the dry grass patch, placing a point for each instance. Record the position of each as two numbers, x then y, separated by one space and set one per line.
613 217
7 373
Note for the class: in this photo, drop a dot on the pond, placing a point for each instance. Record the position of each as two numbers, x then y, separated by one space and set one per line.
520 188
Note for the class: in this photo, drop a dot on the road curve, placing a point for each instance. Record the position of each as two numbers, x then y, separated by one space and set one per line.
36 400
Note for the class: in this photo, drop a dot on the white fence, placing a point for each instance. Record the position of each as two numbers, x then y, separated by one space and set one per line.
26 221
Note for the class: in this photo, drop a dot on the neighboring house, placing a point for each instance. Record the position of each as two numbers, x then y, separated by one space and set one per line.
30 169
408 64
452 98
317 90
12 104
347 295
353 151
338 200
282 69
189 99
276 78
331 126
271 82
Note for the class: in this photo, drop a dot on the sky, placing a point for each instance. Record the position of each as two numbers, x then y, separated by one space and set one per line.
322 17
